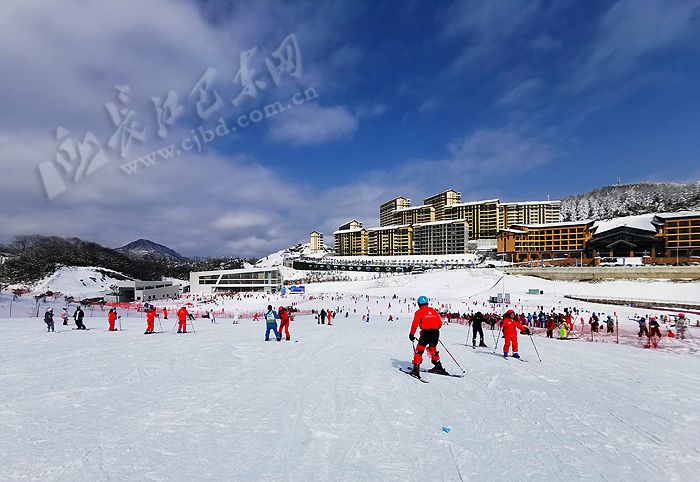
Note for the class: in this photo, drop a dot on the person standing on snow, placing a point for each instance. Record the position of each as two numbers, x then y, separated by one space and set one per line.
510 334
654 327
429 322
329 314
112 318
48 319
212 317
165 313
64 315
322 317
150 321
78 317
680 326
284 322
182 320
642 327
271 322
477 321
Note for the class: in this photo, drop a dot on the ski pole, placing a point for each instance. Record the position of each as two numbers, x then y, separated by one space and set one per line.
173 330
469 327
192 325
448 352
497 340
161 325
533 344
120 323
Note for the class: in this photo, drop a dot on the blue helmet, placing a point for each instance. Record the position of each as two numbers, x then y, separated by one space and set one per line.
422 300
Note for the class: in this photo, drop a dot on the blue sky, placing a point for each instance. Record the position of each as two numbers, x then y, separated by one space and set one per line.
514 99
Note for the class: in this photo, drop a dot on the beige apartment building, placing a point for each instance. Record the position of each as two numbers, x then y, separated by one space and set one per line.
441 237
390 241
388 209
316 243
401 222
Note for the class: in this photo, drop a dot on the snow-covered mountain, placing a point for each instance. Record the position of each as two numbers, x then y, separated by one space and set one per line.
80 281
146 248
630 200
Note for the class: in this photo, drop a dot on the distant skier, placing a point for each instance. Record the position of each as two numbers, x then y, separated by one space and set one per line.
212 317
64 315
78 317
322 317
165 313
429 322
642 327
284 322
477 321
271 321
48 319
329 315
236 317
112 318
150 321
681 326
510 334
610 324
182 320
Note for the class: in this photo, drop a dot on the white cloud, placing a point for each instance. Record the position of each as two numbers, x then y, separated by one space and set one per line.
313 124
520 92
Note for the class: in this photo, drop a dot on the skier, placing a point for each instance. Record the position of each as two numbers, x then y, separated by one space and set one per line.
654 327
182 320
429 322
271 322
323 317
510 335
329 314
680 326
212 318
150 320
562 331
550 327
78 317
611 324
642 327
64 315
476 328
284 322
236 317
48 319
112 318
165 313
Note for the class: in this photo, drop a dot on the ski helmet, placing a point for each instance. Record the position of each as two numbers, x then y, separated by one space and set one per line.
681 315
423 300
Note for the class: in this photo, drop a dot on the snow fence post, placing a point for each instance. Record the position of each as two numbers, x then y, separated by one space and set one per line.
617 330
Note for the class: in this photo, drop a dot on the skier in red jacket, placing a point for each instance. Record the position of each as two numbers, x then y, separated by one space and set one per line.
182 320
510 335
284 322
150 321
429 322
112 318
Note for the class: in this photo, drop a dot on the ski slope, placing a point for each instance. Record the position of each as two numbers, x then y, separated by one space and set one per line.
222 404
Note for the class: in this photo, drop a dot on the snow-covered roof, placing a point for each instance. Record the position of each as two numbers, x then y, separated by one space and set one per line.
562 224
389 228
642 221
513 231
435 223
678 215
411 208
347 231
472 203
529 203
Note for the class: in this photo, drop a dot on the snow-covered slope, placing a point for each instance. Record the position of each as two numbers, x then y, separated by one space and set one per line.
278 258
80 282
222 404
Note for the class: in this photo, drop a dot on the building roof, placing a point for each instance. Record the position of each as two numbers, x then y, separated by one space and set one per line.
347 231
642 222
394 200
512 231
388 228
472 203
422 206
235 271
660 217
436 223
443 192
529 203
563 224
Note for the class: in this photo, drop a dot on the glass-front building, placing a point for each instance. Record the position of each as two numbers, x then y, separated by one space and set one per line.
267 280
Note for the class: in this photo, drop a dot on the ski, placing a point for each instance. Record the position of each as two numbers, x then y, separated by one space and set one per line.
410 374
425 370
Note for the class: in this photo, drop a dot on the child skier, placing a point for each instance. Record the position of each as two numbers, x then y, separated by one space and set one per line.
150 321
271 322
64 315
284 322
477 321
562 331
112 318
429 322
182 320
510 334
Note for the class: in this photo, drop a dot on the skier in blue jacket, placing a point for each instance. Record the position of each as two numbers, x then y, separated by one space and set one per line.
271 318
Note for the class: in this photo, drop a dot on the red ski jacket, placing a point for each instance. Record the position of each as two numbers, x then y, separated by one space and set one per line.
151 316
182 314
111 316
509 327
426 318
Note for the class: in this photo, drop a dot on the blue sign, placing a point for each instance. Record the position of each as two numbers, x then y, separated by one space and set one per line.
284 291
297 290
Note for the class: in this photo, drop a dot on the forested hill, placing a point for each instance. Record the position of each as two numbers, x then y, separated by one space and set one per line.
631 199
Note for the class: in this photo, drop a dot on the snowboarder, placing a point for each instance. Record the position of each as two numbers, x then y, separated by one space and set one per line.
510 334
48 319
150 321
78 317
112 318
182 320
271 321
284 322
429 322
476 328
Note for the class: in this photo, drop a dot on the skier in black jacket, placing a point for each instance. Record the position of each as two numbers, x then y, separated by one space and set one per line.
477 320
78 317
48 319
